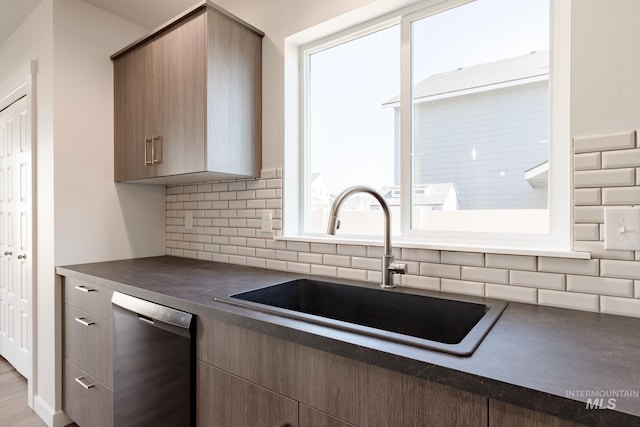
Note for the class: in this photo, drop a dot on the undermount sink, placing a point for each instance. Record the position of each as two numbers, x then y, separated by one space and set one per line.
451 325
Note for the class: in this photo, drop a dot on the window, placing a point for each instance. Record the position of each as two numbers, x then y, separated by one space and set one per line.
454 113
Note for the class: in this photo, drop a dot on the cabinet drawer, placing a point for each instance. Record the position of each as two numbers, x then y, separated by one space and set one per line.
86 400
88 297
88 343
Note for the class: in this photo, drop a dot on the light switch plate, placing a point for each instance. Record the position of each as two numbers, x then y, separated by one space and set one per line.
622 228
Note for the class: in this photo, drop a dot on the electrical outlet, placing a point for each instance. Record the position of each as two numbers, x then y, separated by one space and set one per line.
266 222
622 228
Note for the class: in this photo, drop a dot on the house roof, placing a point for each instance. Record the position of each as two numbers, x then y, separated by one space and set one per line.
534 64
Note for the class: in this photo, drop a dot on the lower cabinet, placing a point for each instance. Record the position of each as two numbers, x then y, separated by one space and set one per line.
505 415
227 400
326 389
310 417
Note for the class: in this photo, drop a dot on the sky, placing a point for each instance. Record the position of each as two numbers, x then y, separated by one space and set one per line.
351 134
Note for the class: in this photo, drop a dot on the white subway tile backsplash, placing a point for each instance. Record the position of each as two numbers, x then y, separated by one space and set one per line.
586 232
352 250
621 196
482 274
537 280
620 306
600 285
462 287
604 178
421 282
299 246
366 263
516 262
439 270
352 274
511 293
227 229
324 270
324 248
462 258
423 255
300 268
621 159
588 214
613 141
310 258
587 196
257 262
568 300
572 266
337 260
586 161
620 269
597 250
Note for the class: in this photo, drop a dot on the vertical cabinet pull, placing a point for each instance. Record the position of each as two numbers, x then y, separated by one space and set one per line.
82 288
148 146
80 380
156 147
84 322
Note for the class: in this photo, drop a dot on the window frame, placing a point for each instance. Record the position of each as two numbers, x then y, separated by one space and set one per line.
560 199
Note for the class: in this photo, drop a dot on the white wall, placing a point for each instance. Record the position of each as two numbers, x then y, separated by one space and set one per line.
95 219
605 66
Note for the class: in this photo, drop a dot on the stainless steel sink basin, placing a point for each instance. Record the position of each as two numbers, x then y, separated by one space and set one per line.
451 325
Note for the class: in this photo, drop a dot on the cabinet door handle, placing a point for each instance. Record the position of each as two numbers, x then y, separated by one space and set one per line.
8 253
22 256
80 380
148 142
154 149
84 322
84 288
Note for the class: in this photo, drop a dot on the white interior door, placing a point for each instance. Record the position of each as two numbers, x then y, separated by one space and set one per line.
15 236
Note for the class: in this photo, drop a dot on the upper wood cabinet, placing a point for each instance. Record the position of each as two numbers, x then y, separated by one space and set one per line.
188 101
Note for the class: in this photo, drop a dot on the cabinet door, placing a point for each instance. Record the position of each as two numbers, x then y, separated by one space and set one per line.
179 92
310 417
132 110
502 414
226 400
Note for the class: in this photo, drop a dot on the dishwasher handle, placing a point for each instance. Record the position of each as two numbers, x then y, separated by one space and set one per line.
151 311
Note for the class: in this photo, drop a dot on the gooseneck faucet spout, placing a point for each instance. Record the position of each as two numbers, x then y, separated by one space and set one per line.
388 266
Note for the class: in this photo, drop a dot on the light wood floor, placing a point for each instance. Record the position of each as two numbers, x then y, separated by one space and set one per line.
14 411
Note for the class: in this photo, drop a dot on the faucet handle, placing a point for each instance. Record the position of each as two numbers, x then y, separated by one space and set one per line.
398 268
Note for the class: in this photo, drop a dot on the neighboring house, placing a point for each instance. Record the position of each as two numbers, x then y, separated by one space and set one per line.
428 197
482 128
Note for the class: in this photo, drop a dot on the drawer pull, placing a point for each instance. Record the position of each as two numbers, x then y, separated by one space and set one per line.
80 380
85 289
84 322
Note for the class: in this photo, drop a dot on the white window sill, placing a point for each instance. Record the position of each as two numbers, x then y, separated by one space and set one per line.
438 247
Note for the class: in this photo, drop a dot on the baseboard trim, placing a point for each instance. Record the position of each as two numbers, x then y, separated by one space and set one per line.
50 417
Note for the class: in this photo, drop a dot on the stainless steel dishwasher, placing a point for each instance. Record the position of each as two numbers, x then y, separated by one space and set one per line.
154 367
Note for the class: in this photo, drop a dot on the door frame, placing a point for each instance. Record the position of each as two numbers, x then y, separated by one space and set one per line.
21 84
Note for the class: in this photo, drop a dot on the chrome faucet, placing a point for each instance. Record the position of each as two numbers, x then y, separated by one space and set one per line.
388 266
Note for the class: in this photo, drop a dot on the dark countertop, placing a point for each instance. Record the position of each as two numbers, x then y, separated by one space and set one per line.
542 358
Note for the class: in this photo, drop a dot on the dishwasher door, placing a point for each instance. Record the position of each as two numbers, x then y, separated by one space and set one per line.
154 368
